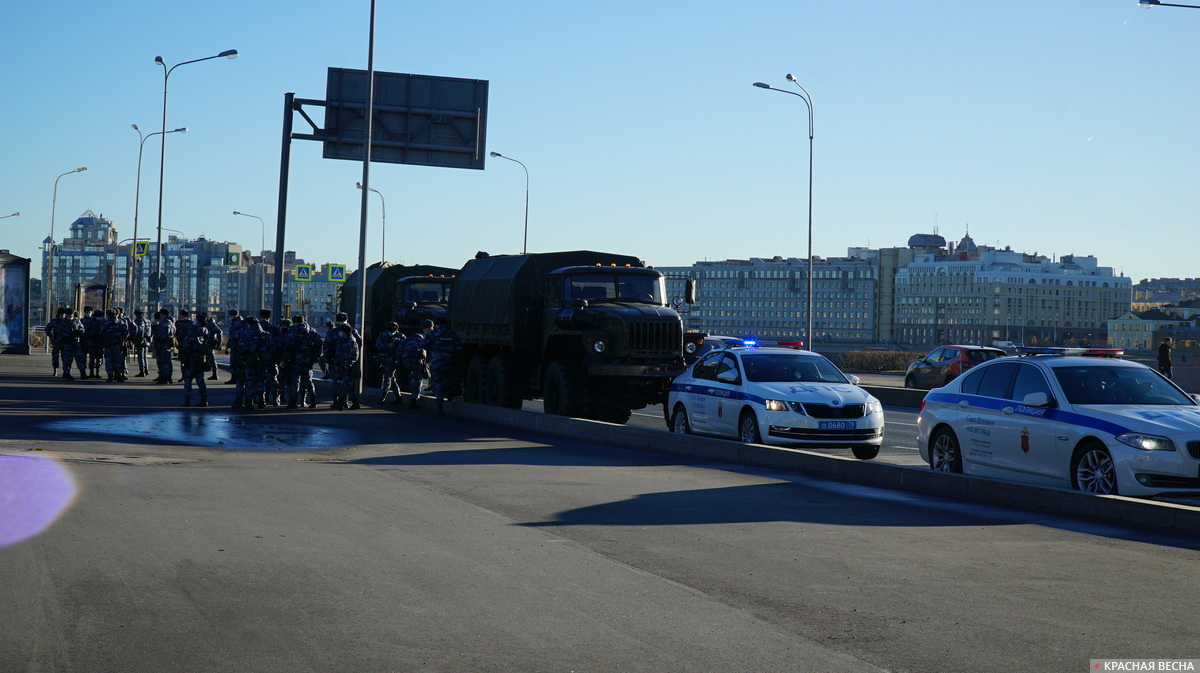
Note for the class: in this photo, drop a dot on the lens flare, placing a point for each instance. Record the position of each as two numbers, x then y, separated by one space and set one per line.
34 492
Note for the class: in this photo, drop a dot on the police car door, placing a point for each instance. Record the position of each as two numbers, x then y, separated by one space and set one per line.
1035 447
984 429
695 393
726 395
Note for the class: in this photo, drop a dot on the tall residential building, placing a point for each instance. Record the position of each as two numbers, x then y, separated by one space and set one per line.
768 298
973 294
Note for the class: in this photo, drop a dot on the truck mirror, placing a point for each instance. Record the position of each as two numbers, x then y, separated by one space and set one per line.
689 290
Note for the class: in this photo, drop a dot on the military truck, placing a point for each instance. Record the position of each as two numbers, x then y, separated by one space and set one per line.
589 332
405 295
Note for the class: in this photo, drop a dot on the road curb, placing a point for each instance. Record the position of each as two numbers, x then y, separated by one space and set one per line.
1114 509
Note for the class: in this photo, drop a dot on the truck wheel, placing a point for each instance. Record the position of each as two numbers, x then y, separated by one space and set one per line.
563 393
611 414
473 390
500 384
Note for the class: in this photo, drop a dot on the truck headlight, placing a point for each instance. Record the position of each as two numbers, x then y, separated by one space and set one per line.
775 405
599 346
1146 442
690 347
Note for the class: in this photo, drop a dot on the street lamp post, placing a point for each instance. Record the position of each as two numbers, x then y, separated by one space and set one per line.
131 279
13 215
807 98
262 295
1147 4
383 220
525 240
162 156
49 272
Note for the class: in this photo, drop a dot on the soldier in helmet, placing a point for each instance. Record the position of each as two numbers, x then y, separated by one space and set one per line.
416 367
112 335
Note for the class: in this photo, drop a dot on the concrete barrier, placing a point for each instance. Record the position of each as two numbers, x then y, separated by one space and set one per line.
1114 509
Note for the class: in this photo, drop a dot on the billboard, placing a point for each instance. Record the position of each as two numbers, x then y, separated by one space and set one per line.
419 119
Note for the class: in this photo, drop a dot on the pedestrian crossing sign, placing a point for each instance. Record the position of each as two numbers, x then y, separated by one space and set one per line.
337 273
304 272
140 248
233 259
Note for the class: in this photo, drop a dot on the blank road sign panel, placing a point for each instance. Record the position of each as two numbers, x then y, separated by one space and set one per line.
419 119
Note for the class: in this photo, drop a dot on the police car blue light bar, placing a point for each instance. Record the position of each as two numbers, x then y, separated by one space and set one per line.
1060 350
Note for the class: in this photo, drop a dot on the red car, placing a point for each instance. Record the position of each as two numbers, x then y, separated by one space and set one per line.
943 364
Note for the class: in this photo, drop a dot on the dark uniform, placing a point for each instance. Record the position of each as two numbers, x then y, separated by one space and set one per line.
194 350
443 347
164 343
301 348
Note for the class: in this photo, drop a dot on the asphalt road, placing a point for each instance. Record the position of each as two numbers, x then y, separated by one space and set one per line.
412 542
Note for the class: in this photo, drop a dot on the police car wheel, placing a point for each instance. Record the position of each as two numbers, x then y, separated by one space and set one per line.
864 452
679 421
1093 470
944 452
748 429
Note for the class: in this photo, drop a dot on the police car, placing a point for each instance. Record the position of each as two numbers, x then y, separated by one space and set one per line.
775 396
1066 418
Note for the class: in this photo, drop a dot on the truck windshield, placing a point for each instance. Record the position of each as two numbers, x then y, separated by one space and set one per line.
615 287
427 292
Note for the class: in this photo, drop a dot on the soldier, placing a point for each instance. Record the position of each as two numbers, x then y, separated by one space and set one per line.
234 324
113 335
163 343
443 346
386 359
301 348
52 330
93 346
412 356
215 337
183 327
126 344
141 341
194 350
345 359
67 332
257 347
274 390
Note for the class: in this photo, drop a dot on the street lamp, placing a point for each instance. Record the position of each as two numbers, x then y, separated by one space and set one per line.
1147 4
524 241
807 98
131 280
13 215
49 273
262 295
162 156
383 220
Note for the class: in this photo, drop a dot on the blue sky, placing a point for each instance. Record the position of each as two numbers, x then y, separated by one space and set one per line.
1058 127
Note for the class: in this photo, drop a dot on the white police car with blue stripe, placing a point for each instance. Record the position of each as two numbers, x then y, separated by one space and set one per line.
1066 418
775 396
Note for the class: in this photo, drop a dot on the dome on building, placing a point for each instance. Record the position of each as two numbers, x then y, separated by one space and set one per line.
926 241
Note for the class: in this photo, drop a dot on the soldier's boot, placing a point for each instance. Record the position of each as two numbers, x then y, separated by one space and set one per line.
187 401
312 403
110 378
260 403
67 376
213 377
237 403
292 404
203 401
55 372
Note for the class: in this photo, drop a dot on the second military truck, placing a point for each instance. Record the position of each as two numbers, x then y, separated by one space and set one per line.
589 332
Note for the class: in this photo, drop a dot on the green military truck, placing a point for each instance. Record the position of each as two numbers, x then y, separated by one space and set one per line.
589 332
405 295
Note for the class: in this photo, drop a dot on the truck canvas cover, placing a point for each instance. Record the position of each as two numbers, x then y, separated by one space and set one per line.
491 290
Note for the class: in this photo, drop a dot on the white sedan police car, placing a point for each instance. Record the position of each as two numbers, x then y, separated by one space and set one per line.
775 396
1066 418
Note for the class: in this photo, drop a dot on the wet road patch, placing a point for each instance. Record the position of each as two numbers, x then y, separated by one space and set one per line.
216 430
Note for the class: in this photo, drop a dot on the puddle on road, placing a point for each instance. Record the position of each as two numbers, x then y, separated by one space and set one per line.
222 431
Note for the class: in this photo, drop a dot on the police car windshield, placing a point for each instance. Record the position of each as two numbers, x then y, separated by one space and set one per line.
787 368
1097 384
427 292
642 288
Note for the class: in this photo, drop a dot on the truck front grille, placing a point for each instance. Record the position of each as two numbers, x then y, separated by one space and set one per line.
654 338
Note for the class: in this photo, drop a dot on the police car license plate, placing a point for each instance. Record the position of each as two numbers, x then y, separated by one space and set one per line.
836 425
